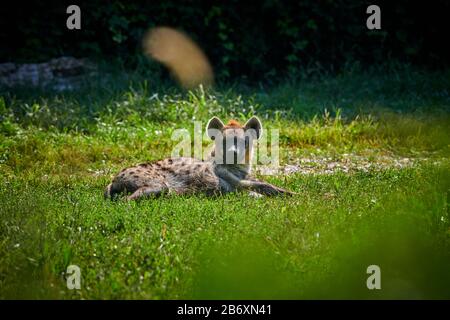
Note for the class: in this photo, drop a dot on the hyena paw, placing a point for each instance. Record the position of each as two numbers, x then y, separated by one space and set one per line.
254 194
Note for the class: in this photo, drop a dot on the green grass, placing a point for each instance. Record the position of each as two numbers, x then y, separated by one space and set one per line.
58 152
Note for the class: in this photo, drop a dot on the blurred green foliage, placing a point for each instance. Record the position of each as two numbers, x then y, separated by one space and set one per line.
243 39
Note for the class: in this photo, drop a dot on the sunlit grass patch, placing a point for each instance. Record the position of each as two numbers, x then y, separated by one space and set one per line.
187 247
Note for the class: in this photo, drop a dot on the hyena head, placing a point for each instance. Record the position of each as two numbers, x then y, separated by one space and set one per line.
233 142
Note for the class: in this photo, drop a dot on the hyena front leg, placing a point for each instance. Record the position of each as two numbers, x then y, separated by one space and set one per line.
264 188
147 192
255 185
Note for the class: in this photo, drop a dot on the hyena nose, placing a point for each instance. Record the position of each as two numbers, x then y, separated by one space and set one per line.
232 150
231 156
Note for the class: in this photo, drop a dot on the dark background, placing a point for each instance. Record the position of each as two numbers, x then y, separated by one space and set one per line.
242 39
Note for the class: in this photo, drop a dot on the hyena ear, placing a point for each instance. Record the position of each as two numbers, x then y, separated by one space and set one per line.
254 124
214 127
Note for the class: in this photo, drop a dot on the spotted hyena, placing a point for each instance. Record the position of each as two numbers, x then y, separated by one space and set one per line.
227 170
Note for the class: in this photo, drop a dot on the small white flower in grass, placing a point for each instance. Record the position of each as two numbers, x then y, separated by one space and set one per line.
317 235
17 245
